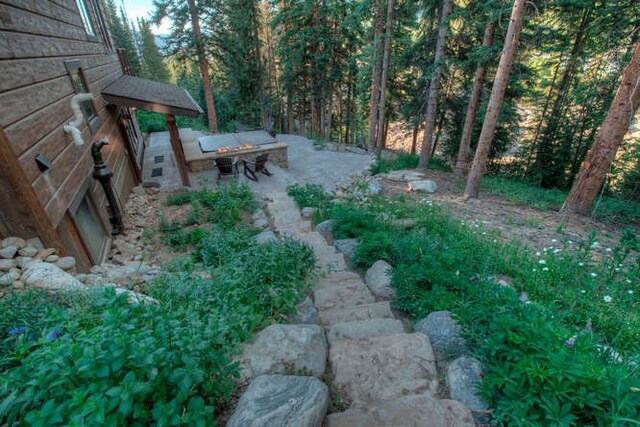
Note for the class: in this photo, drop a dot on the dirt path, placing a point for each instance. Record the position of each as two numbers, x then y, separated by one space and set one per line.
534 228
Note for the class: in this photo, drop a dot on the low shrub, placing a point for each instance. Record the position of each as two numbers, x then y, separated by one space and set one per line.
308 195
543 366
94 359
402 161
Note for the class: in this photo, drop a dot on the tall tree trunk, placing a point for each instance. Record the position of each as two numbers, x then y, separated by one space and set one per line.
381 138
474 104
430 114
594 169
507 57
375 76
204 68
290 117
414 138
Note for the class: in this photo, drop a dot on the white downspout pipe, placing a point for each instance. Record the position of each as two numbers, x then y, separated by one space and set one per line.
78 117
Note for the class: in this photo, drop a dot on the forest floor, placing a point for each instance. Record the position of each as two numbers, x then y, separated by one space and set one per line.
494 214
532 227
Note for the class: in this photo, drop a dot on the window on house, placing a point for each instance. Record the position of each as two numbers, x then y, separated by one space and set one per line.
80 86
86 21
91 230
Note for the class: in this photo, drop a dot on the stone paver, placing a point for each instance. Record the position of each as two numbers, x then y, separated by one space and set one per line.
383 368
359 312
408 411
285 349
361 329
342 296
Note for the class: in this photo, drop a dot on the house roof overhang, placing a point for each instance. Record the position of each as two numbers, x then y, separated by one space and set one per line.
129 91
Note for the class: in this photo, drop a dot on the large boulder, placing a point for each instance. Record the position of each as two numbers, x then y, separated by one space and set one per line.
325 226
378 279
50 277
285 349
383 368
426 186
283 401
8 252
463 377
13 241
444 334
7 264
415 410
346 246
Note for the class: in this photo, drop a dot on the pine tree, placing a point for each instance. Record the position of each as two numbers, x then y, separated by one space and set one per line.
187 41
122 34
153 66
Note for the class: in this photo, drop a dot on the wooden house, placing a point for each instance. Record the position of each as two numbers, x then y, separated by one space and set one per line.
50 51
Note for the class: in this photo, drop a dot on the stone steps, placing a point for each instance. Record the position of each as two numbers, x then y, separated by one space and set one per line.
360 312
346 296
388 377
360 329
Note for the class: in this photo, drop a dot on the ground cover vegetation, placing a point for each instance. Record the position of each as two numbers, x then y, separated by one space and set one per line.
95 359
566 354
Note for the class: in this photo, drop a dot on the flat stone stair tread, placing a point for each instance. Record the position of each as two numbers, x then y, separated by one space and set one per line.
359 312
281 348
383 368
415 410
334 281
282 400
331 263
361 329
342 297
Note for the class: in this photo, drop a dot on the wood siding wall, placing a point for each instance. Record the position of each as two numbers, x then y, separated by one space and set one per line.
36 38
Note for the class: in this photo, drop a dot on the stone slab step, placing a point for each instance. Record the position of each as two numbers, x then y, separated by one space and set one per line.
282 400
383 368
338 279
282 349
358 312
361 329
327 264
415 411
345 296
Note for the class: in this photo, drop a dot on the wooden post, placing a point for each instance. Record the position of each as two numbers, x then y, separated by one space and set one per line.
176 144
27 197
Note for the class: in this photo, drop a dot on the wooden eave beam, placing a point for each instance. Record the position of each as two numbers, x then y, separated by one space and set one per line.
150 106
176 144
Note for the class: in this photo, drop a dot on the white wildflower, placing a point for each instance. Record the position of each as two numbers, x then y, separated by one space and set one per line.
545 269
608 250
581 264
630 292
607 298
542 261
582 291
593 274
